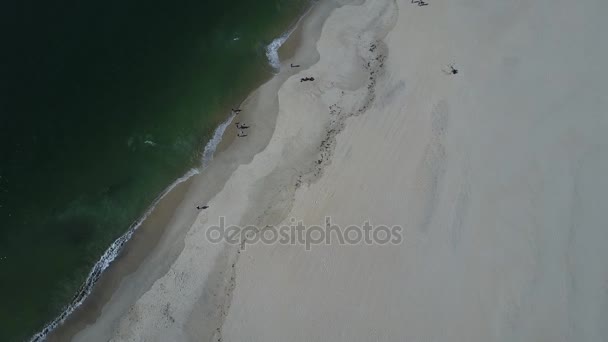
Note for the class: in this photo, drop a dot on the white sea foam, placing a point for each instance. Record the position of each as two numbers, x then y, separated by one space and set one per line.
215 141
272 50
106 259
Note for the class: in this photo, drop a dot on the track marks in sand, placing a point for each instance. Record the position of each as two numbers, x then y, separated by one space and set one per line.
355 98
459 216
432 167
214 302
339 111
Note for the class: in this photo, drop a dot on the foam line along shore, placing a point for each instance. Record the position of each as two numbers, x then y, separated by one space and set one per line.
260 110
114 250
97 122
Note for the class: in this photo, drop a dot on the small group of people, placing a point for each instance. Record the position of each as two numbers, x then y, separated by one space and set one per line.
241 128
307 79
420 2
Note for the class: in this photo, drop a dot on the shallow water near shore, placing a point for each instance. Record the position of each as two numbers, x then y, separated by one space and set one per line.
104 106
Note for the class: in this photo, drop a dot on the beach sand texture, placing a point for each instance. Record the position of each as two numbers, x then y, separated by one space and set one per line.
496 174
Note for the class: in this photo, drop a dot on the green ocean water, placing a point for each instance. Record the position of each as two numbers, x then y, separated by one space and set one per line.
103 104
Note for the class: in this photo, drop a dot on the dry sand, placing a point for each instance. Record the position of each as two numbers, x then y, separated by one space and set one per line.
496 174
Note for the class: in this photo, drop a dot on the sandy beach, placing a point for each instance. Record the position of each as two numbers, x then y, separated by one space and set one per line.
495 174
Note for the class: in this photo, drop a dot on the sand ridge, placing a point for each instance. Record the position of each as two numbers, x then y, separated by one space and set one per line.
503 242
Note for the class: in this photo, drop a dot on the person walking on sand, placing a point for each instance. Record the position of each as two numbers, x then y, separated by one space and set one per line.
452 71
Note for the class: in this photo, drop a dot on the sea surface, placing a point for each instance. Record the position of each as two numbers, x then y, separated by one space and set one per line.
103 105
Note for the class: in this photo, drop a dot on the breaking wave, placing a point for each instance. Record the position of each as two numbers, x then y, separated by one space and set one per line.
102 264
215 140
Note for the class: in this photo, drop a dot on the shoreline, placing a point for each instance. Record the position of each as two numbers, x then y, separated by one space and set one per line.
119 268
133 253
106 260
492 178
